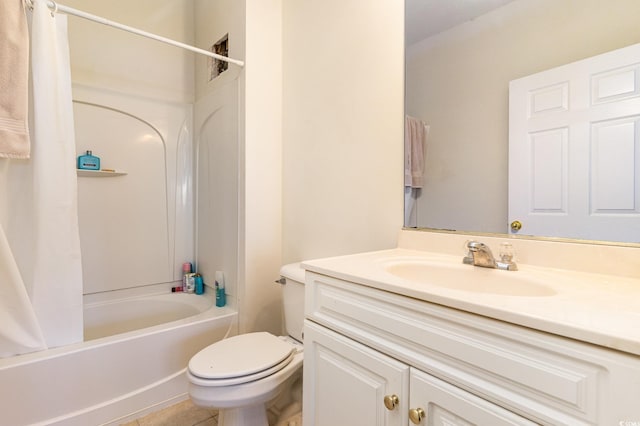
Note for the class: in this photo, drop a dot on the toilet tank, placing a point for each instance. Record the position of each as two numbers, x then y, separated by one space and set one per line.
293 299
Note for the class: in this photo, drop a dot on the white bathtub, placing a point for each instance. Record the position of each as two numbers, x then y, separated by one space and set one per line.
128 365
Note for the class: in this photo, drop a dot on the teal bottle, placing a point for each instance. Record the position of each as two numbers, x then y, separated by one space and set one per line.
88 161
199 284
221 297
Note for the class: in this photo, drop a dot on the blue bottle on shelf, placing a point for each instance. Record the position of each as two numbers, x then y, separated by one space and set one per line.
88 161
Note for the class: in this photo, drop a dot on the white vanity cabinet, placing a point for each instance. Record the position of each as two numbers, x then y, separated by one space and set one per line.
377 358
351 382
356 385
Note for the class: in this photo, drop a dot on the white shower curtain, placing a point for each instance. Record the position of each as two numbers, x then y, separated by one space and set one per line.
41 217
20 331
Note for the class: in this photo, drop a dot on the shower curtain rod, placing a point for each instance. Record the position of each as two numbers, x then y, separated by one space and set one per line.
55 7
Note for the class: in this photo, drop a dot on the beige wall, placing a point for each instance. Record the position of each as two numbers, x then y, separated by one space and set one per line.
214 19
261 193
331 100
458 83
343 126
102 56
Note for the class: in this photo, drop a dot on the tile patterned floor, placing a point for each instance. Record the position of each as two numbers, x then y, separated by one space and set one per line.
186 414
181 414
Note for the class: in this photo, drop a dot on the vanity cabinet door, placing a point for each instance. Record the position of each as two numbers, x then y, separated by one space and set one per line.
347 383
434 402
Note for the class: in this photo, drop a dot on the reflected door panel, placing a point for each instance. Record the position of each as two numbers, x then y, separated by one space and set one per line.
574 149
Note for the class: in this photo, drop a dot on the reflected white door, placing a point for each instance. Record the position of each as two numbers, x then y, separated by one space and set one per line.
574 149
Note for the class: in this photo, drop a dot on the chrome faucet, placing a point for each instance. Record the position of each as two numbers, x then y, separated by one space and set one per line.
480 255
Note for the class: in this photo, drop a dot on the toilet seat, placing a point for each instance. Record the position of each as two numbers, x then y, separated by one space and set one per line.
240 359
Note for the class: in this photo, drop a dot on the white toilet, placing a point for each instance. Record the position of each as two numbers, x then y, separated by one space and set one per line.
241 375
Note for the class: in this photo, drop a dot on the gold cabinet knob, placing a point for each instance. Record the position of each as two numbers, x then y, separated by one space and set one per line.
416 415
391 402
516 225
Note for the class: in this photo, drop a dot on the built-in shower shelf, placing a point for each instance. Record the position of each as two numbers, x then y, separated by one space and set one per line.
100 173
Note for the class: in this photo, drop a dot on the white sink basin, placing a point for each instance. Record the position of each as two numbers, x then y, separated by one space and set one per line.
469 278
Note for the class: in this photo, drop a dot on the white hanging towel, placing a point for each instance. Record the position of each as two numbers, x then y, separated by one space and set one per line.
14 80
415 137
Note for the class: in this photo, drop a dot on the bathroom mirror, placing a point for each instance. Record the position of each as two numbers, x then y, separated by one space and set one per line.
457 83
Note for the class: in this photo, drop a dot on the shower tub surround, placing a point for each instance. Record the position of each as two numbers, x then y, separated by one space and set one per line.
136 228
113 378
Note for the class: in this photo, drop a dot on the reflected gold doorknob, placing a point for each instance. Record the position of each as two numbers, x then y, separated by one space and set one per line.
516 225
391 402
416 415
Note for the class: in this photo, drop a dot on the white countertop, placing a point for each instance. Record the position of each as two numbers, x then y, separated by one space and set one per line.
596 308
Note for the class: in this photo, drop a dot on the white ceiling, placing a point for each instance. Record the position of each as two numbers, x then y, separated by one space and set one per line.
424 18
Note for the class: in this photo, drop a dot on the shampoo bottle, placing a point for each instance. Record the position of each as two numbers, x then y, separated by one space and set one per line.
88 161
221 297
199 284
186 271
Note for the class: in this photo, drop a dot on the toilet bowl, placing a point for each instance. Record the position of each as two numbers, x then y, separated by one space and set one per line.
241 375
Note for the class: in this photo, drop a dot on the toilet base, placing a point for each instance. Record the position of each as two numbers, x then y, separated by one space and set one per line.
242 416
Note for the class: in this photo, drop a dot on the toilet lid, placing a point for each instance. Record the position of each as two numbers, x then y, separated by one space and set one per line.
242 355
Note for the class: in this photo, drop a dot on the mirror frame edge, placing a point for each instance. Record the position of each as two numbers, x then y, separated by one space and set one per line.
524 237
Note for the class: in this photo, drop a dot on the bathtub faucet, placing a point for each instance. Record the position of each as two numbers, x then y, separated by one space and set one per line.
480 255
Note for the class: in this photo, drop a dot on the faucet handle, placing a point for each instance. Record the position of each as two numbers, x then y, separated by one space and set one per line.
468 259
506 258
506 252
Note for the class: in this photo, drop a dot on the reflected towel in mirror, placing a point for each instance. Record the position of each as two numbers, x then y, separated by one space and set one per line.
415 137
